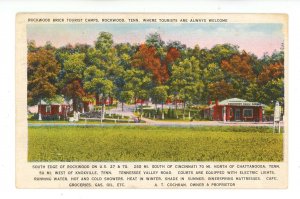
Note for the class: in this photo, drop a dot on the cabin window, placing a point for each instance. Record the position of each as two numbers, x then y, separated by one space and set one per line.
48 109
248 112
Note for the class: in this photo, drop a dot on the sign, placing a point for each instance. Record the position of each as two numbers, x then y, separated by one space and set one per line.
277 112
244 103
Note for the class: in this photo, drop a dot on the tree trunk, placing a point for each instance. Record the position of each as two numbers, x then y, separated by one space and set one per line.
135 106
74 104
176 106
103 108
162 113
141 106
40 107
122 106
183 110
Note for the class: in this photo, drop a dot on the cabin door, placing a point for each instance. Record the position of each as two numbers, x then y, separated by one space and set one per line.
237 114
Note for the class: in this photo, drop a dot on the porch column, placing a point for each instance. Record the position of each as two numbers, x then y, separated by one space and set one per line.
227 113
260 114
224 114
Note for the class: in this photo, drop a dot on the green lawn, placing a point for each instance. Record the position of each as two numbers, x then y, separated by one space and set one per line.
82 121
148 143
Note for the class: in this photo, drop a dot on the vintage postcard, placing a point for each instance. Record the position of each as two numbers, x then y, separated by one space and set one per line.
135 100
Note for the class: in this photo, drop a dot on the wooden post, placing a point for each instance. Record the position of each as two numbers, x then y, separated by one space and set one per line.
277 115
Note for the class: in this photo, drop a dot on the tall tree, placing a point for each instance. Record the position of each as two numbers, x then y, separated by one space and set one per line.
125 96
210 76
155 40
147 59
42 71
125 51
220 90
239 72
140 83
272 71
71 82
185 81
239 66
273 91
220 52
105 57
159 94
177 45
73 90
31 46
95 82
104 42
173 55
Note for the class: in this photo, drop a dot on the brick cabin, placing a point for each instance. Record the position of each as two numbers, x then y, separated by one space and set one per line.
47 109
108 101
235 109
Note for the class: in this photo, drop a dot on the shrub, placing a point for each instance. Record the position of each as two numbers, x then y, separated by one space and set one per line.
47 117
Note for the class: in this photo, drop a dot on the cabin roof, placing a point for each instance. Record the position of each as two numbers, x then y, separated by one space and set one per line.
238 102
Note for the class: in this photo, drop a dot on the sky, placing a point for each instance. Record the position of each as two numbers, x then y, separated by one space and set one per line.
254 38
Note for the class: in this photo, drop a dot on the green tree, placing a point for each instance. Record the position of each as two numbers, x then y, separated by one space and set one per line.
105 57
185 81
125 52
95 82
140 83
254 92
159 94
125 97
211 74
273 91
154 40
31 46
220 52
71 82
104 42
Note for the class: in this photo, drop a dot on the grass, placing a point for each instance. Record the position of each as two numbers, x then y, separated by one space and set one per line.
149 143
105 121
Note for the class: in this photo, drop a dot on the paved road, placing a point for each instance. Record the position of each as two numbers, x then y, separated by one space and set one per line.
161 123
